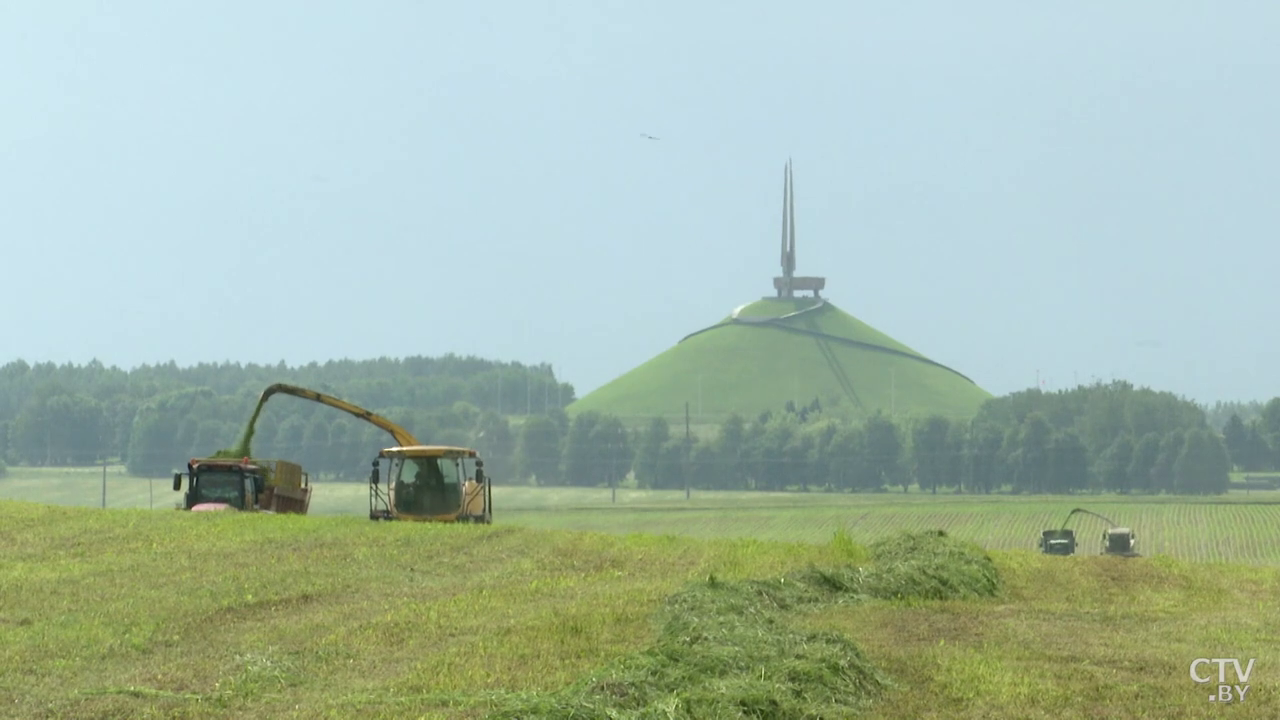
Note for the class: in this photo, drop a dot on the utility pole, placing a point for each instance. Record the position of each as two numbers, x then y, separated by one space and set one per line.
104 483
688 447
615 450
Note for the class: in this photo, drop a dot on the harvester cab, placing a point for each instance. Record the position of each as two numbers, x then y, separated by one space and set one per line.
1119 541
276 486
431 483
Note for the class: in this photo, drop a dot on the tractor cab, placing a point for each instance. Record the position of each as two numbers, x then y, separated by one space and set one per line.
1058 542
1119 541
220 485
430 483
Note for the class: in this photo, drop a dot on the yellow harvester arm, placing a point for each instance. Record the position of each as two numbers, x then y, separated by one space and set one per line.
402 436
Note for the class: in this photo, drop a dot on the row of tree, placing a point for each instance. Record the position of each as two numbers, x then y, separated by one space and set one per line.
154 416
1220 412
1111 437
1105 436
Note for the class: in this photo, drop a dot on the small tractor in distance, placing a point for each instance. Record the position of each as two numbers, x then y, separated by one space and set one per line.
1119 541
274 486
1058 542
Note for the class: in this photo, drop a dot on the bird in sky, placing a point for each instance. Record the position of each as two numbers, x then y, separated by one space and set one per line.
650 137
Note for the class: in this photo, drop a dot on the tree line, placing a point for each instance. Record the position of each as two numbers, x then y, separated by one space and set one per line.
1105 437
1221 411
1111 437
153 418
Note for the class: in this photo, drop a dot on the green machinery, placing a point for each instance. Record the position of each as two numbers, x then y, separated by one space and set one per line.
1116 540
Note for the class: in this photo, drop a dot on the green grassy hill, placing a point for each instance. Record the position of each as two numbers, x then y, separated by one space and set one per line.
747 366
124 613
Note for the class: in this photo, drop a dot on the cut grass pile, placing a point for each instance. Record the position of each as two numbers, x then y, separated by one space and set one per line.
930 565
748 370
729 649
1074 637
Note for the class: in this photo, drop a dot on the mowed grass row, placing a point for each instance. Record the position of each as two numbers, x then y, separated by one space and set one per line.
1081 637
1240 527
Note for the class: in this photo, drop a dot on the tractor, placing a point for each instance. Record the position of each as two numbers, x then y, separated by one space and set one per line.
275 486
1058 542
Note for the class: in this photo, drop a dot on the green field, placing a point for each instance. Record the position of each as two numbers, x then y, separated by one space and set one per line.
1239 527
748 369
130 613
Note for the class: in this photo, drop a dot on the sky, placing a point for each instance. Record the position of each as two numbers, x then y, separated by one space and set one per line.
1027 192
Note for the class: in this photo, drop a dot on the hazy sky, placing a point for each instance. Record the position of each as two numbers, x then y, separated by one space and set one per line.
1083 189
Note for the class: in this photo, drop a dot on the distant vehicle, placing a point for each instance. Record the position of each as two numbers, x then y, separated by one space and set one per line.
1058 542
1119 541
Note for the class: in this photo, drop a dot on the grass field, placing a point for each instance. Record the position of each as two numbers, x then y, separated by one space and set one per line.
130 613
751 369
1239 527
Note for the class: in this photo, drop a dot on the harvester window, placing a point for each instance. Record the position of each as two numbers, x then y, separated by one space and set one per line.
428 486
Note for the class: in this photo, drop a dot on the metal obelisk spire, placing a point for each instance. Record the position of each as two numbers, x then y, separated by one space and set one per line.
791 220
788 232
783 256
787 284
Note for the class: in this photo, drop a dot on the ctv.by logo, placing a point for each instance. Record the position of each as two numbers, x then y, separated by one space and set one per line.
1225 692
